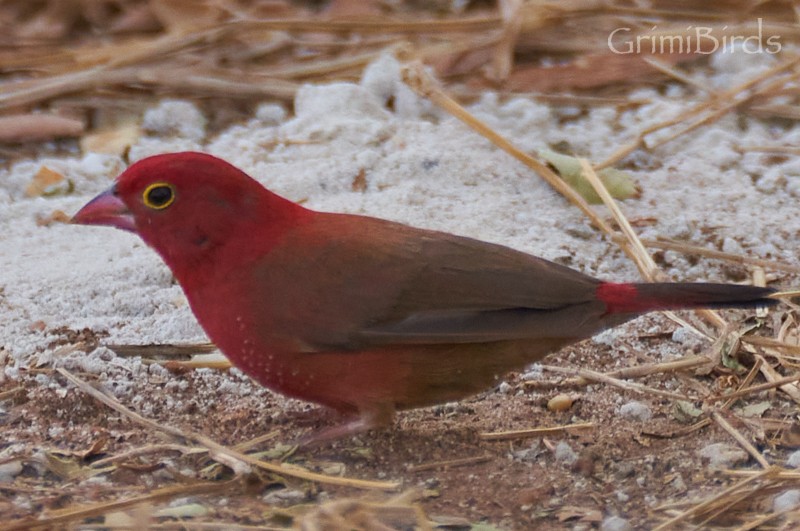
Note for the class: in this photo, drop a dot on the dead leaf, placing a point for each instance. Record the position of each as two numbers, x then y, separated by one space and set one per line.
70 466
96 447
359 183
48 183
65 467
56 216
114 141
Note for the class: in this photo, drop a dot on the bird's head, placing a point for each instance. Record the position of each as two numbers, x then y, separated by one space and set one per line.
185 205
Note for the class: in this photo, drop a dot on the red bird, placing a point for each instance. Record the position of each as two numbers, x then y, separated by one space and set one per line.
359 314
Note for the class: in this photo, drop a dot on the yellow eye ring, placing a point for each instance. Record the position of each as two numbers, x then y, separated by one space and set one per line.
158 196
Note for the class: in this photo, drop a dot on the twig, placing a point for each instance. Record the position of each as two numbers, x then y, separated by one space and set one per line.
761 520
646 369
744 443
450 463
644 262
382 26
751 375
772 376
162 351
699 508
144 450
730 102
756 388
639 371
25 127
687 248
697 426
71 514
604 378
11 392
225 455
641 257
769 342
535 432
781 474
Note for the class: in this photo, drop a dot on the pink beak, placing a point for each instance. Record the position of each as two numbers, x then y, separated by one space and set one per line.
106 209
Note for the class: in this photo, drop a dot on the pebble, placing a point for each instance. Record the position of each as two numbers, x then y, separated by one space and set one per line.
794 460
722 455
565 453
9 470
636 411
615 523
786 501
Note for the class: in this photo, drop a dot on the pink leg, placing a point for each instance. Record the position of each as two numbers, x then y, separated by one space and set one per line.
375 417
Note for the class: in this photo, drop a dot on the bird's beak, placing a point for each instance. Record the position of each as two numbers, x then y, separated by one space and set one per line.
106 209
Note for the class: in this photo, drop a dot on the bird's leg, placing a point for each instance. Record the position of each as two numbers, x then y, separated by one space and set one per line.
373 417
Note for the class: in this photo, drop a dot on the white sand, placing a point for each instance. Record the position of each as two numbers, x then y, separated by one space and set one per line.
421 167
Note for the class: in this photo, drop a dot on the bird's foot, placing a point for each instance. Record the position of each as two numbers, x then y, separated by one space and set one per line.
375 417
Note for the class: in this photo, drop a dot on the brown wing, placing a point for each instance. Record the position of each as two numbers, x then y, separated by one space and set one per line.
389 283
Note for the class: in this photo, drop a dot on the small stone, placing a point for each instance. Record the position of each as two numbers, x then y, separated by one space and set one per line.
285 497
10 470
794 460
528 454
565 453
721 455
505 388
678 483
175 117
636 411
786 501
270 114
615 523
533 372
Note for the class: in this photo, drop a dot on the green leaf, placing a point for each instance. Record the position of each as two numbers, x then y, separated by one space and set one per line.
620 184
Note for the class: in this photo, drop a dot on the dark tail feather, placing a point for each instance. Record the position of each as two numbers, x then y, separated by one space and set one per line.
645 297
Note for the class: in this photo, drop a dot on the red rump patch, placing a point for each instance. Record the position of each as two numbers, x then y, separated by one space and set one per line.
620 298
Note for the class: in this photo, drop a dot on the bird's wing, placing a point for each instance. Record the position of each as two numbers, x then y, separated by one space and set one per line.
392 284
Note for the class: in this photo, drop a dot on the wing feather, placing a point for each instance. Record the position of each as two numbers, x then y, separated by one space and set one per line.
393 284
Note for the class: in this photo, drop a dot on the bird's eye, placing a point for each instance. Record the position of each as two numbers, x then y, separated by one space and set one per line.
159 195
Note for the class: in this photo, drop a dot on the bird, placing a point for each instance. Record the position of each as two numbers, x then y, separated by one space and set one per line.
363 315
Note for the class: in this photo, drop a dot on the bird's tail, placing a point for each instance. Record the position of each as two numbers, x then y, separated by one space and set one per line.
646 297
